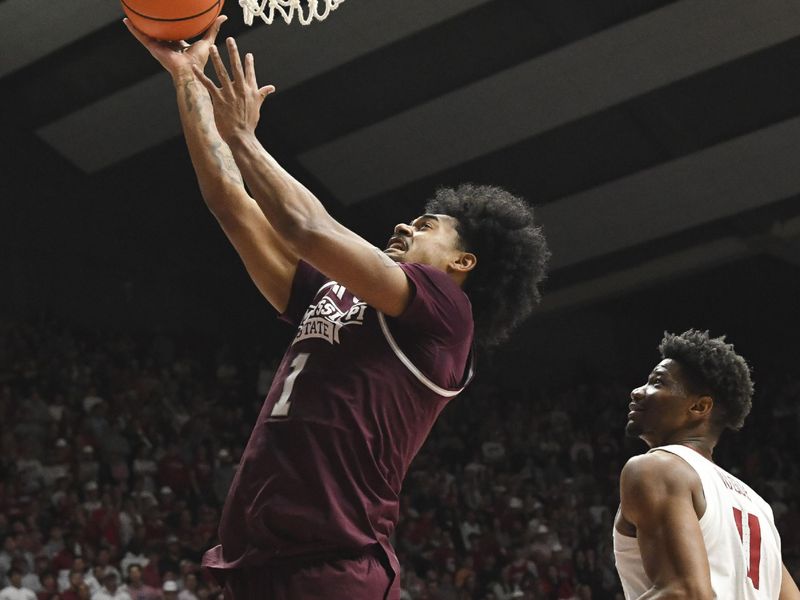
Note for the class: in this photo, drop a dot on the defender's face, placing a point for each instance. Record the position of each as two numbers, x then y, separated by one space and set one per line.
429 239
659 409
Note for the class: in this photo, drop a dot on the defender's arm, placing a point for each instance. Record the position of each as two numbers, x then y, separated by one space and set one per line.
789 589
656 497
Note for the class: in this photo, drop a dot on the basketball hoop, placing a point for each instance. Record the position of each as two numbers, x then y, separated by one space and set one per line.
269 9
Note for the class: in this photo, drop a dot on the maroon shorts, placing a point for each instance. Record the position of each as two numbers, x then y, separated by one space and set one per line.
362 578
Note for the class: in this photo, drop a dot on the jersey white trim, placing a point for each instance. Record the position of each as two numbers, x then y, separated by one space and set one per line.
414 370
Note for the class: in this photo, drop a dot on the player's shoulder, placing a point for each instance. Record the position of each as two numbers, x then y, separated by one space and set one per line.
437 285
658 468
655 460
651 483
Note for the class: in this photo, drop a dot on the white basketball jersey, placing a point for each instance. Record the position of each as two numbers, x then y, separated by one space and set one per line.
743 545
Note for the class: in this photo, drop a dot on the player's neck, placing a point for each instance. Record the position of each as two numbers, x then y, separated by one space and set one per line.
460 277
702 446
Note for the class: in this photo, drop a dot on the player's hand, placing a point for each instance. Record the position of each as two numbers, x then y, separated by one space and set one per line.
178 58
237 103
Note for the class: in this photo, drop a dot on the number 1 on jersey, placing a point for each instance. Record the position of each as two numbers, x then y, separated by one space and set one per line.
281 408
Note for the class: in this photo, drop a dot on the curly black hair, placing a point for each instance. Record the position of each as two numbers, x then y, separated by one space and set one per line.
512 252
713 366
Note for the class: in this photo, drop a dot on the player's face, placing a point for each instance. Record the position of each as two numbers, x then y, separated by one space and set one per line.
429 239
659 409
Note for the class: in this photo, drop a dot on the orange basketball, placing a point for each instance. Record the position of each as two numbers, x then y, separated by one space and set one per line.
172 19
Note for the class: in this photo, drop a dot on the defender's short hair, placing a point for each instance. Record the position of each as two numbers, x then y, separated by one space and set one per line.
713 366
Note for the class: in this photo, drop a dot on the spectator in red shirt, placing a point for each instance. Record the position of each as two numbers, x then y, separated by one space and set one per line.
75 579
103 526
150 573
201 475
49 586
173 471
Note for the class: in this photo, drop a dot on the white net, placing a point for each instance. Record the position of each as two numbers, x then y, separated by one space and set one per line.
286 9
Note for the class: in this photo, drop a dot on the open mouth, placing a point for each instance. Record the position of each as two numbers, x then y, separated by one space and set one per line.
397 243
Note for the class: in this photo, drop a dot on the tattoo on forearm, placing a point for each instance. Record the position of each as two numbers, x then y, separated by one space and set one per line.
188 89
196 99
226 162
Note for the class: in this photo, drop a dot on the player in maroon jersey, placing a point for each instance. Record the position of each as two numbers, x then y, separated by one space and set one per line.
383 340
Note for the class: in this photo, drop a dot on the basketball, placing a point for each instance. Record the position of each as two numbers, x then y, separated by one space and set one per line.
172 19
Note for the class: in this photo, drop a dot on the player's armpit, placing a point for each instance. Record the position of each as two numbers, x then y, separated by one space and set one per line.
269 262
656 497
789 589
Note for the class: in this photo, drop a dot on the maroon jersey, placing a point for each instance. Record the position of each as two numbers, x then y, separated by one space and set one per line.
351 403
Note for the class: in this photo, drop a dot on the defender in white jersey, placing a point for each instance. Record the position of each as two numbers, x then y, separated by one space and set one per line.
685 527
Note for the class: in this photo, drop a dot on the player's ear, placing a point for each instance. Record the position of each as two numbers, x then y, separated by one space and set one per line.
702 406
464 262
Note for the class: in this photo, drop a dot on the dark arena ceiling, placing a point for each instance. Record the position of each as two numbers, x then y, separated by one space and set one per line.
657 137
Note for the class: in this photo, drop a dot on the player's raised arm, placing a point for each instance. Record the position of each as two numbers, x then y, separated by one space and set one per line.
789 589
293 210
266 257
656 497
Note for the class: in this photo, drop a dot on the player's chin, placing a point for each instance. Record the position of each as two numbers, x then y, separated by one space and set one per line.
633 429
395 254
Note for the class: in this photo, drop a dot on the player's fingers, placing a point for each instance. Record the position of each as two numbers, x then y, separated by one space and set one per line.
250 69
212 88
250 75
144 39
236 62
211 33
219 67
266 90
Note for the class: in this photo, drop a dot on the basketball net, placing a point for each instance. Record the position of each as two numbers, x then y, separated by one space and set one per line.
269 9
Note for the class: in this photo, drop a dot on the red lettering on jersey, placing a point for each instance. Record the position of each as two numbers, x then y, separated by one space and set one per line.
753 524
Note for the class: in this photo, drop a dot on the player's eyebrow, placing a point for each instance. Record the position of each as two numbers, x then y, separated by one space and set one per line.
425 217
659 372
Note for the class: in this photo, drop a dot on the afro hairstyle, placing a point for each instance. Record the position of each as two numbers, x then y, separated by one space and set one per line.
512 253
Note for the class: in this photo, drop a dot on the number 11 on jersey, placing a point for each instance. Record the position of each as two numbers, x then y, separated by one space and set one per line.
281 408
754 554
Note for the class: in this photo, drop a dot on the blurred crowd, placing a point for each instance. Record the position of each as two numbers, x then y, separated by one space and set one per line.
116 453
